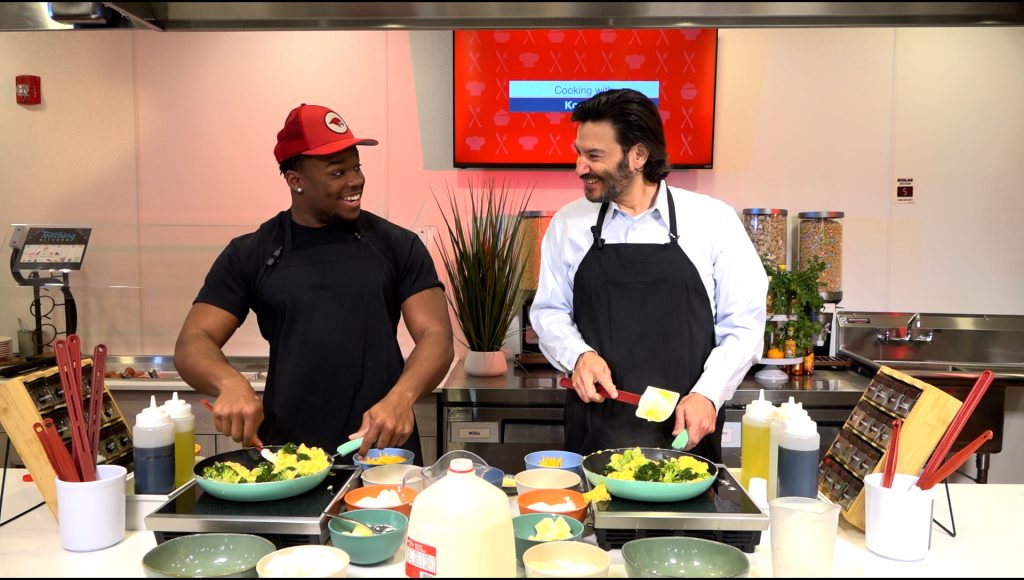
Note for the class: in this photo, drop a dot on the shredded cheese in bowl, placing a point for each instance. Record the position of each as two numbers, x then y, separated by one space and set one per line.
383 459
550 462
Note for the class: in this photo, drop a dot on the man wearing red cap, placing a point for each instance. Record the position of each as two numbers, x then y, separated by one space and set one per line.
328 283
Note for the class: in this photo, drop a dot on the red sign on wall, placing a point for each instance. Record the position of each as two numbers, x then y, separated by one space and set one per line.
515 89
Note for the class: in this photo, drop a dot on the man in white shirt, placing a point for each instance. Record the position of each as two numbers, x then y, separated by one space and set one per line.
644 284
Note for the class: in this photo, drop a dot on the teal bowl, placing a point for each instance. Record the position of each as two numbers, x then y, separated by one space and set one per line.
207 556
368 550
406 455
682 557
525 526
653 491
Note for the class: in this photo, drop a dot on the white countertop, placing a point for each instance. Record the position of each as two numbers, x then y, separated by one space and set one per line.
986 516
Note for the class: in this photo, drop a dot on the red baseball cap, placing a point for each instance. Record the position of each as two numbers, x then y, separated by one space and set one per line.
315 130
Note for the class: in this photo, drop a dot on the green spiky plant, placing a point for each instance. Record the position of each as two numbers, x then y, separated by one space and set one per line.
484 260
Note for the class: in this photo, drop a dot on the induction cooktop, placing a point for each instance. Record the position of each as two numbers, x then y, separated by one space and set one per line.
285 522
724 513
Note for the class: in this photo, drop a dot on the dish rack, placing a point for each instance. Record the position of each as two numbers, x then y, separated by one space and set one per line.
861 446
28 399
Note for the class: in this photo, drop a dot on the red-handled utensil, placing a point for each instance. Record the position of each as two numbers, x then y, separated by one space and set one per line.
56 452
655 405
892 455
99 371
256 443
954 463
69 366
959 420
624 396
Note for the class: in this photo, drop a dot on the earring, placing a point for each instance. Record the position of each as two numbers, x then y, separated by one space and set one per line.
298 190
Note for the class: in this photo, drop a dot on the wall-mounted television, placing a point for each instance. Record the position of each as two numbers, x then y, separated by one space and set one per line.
514 90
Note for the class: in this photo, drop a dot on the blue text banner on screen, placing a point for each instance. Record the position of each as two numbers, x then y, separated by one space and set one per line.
562 96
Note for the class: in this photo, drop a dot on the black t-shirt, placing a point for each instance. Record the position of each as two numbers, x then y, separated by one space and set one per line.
233 281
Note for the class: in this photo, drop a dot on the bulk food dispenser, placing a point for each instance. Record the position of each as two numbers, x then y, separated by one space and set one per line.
821 236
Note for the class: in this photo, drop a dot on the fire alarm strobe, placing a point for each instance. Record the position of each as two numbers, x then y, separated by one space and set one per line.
27 91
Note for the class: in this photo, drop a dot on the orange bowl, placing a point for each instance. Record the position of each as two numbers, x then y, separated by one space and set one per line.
553 497
407 495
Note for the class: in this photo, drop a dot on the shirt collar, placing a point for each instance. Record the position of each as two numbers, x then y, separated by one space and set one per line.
659 211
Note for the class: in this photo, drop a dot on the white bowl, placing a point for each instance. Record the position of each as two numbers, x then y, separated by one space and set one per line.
566 560
392 475
306 561
546 478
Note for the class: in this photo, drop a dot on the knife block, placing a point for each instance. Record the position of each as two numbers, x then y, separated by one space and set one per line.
28 399
862 445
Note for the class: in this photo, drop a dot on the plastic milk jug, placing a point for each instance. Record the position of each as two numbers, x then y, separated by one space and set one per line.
153 438
460 526
798 458
786 410
184 438
754 438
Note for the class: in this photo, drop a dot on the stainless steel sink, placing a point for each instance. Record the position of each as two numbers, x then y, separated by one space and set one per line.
914 365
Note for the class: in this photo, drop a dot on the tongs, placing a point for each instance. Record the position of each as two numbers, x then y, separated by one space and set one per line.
931 474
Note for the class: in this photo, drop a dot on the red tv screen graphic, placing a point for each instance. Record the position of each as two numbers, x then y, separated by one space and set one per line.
515 90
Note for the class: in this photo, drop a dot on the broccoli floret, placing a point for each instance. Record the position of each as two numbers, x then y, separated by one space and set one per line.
302 457
265 472
687 475
290 448
649 471
221 472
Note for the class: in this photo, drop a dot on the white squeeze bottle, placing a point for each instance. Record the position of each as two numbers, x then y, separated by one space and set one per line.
184 438
786 410
460 526
153 439
755 435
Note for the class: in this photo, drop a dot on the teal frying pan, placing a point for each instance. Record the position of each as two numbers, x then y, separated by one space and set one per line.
266 491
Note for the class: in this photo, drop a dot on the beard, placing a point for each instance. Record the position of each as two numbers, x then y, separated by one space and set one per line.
614 184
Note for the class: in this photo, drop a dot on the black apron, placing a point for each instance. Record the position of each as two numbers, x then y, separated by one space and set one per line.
333 350
644 309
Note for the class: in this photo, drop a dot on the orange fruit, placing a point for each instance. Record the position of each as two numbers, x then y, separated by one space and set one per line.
775 353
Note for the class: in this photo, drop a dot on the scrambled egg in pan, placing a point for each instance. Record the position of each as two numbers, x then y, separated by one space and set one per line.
290 461
631 465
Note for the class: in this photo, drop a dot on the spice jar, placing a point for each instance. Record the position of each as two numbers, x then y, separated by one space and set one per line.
767 229
821 236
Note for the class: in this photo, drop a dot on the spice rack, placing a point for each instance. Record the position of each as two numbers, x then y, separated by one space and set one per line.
28 399
860 447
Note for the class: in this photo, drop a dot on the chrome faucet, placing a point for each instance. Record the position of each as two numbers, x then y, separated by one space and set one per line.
913 332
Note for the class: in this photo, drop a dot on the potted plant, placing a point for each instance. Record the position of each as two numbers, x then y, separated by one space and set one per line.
797 293
484 260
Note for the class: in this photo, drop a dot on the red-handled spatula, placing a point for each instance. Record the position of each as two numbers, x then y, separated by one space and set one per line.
655 405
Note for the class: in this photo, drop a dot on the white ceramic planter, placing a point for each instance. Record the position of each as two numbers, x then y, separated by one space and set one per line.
485 364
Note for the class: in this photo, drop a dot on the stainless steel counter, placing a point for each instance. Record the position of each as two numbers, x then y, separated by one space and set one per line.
539 385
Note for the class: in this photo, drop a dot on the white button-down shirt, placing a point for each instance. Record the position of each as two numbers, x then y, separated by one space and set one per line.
713 238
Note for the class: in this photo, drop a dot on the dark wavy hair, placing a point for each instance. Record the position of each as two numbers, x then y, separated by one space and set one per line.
635 119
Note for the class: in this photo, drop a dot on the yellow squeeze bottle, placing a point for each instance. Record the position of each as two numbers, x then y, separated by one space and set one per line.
184 439
755 436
